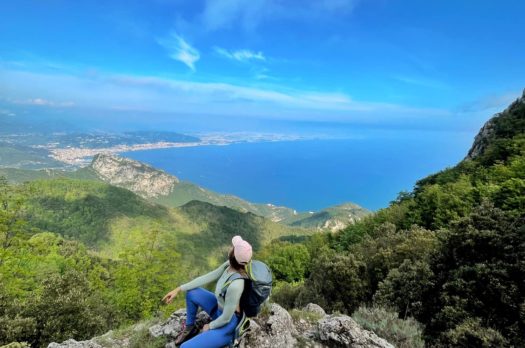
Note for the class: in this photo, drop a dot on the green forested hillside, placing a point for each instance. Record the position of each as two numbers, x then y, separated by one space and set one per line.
19 156
451 253
332 218
80 257
18 176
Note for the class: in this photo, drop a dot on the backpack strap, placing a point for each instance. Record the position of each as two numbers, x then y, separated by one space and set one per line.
230 279
240 330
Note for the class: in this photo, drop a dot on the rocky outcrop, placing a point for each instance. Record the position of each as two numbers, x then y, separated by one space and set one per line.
171 327
273 328
343 331
482 138
74 344
135 176
488 132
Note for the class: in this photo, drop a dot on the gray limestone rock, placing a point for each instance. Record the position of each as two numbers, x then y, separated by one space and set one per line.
343 331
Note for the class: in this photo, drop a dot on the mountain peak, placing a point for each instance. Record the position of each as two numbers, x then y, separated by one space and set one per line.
503 125
144 180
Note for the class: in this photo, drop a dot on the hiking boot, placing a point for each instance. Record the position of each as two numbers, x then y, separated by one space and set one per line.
187 333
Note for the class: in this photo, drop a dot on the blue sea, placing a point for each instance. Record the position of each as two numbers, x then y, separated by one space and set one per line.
309 175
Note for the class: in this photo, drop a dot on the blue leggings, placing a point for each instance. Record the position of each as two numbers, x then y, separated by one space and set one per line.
215 338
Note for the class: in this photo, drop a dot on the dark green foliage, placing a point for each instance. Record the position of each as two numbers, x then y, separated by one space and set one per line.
81 210
335 283
462 275
480 276
390 248
67 308
404 287
12 224
220 224
471 333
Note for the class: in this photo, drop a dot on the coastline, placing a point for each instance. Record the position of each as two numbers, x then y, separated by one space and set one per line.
79 157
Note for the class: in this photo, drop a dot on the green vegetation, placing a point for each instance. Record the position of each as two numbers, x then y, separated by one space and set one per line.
78 257
19 176
289 262
25 157
449 254
401 333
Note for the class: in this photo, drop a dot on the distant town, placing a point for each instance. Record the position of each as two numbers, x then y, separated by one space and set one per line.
73 150
81 156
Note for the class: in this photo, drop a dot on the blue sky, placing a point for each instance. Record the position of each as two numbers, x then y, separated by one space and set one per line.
378 63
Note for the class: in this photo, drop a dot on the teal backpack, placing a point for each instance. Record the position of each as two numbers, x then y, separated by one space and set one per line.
257 289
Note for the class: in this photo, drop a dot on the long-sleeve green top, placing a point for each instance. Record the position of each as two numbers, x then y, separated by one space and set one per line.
233 293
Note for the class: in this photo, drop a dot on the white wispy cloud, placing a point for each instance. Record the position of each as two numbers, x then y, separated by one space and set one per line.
421 81
240 55
179 49
221 14
177 96
43 102
492 102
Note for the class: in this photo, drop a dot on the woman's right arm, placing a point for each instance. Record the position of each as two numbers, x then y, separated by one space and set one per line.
205 279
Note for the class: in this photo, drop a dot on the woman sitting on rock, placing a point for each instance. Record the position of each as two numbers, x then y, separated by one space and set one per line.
224 311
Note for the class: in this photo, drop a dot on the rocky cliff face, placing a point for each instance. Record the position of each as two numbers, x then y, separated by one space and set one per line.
488 131
135 176
274 328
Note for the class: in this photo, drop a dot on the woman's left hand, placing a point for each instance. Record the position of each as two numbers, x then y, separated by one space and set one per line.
205 328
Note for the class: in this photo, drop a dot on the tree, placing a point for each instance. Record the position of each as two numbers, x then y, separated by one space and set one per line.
144 272
11 210
66 308
288 261
337 283
404 287
479 275
390 248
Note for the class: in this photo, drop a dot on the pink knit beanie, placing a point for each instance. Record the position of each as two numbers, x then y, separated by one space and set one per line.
242 250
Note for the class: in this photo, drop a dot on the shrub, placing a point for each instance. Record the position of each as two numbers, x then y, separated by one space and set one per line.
471 333
285 294
386 324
